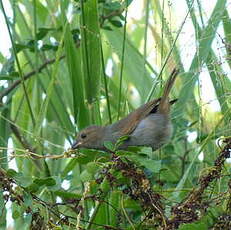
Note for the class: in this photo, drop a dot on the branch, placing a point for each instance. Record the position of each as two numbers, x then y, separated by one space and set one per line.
21 138
7 184
26 77
112 14
187 211
50 61
26 145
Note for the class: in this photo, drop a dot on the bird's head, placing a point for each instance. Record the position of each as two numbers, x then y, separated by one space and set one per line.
90 137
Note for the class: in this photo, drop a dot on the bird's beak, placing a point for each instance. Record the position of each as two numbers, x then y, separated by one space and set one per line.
76 144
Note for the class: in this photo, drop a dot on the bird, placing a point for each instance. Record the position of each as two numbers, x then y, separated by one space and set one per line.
149 125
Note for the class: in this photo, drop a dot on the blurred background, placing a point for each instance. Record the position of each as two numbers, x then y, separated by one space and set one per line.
68 64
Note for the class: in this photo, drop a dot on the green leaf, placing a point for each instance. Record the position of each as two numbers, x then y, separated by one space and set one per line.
133 62
27 199
85 156
20 47
106 28
11 173
19 177
10 76
168 175
16 214
33 188
57 109
88 155
47 47
153 165
2 58
227 31
70 165
116 23
115 202
49 181
74 64
205 41
112 6
86 176
109 145
91 56
67 195
127 3
123 153
193 226
105 185
132 204
147 151
120 141
92 167
42 32
49 91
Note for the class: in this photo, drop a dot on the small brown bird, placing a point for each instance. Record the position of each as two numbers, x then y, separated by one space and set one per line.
149 125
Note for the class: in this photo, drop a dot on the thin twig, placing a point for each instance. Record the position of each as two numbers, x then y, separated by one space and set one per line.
21 138
187 211
112 14
26 145
122 62
27 76
50 61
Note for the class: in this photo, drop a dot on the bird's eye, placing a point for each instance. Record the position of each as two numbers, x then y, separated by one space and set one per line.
83 135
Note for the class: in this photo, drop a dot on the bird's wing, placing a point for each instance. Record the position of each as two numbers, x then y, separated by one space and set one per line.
129 123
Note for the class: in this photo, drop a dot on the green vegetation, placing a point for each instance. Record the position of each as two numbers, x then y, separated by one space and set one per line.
81 62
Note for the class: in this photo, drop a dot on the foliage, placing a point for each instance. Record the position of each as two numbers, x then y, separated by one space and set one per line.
76 63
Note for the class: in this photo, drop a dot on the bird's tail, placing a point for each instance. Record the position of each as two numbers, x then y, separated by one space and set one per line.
164 105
